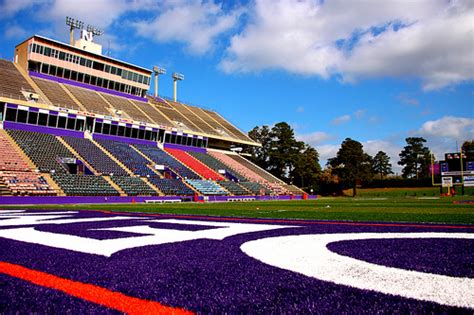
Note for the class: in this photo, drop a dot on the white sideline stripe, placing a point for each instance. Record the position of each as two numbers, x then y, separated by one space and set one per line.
309 255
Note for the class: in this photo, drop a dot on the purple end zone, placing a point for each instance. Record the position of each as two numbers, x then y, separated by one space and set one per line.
216 276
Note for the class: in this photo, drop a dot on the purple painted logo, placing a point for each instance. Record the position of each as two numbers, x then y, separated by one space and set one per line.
51 260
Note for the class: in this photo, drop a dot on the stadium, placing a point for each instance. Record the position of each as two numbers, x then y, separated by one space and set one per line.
82 124
117 199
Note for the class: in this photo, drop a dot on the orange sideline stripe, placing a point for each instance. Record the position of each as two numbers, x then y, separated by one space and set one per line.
89 292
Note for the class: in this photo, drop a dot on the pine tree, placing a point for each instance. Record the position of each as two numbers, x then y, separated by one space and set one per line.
381 164
351 164
415 158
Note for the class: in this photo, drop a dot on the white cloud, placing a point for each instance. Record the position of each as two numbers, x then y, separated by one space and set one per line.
447 134
341 120
10 8
300 109
430 39
449 127
327 151
314 138
195 23
15 31
407 100
392 149
360 113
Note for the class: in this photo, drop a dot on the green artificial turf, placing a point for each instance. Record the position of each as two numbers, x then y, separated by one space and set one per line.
393 209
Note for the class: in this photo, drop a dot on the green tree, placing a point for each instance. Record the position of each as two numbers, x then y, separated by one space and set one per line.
381 164
468 149
307 169
260 155
351 164
415 158
284 150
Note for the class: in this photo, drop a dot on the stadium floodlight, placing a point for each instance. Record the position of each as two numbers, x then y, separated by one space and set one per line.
94 30
73 24
177 77
158 71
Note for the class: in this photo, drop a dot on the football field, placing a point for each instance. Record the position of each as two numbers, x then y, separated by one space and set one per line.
100 261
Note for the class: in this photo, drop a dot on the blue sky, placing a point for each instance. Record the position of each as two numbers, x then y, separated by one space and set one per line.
373 71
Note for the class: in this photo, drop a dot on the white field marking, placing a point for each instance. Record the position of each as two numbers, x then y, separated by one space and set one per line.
17 219
107 247
309 255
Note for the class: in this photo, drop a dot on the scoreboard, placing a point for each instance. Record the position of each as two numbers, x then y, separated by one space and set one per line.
457 166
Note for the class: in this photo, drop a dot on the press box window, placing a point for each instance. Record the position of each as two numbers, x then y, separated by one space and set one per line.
71 122
42 119
113 130
134 133
105 129
62 122
98 127
22 116
80 125
53 120
11 114
33 118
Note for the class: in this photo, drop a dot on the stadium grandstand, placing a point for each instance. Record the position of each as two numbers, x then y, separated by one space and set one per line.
77 123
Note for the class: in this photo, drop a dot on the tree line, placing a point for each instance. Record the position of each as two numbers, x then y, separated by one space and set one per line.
297 162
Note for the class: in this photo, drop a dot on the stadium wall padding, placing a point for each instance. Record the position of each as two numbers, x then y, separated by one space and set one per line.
44 200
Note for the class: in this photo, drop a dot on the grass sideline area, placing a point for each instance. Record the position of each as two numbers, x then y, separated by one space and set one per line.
407 192
391 209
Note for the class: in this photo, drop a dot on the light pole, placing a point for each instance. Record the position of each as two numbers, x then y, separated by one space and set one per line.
157 71
73 24
176 77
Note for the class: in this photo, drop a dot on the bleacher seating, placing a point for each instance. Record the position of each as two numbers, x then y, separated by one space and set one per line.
237 167
233 130
100 161
158 101
133 186
128 156
256 188
43 149
4 191
180 120
160 157
217 128
293 190
251 171
84 185
125 106
89 99
215 164
26 183
207 187
12 81
234 188
56 94
194 164
267 176
153 109
10 158
172 187
16 176
195 119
